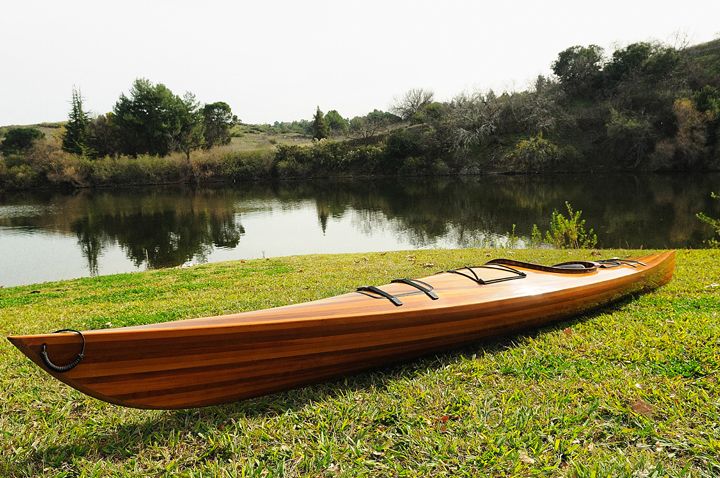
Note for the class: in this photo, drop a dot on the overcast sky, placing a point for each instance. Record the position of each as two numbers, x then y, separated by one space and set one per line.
277 60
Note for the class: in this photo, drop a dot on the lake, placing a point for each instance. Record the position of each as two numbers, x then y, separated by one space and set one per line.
51 235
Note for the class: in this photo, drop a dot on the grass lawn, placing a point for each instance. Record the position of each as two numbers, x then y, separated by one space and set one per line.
630 390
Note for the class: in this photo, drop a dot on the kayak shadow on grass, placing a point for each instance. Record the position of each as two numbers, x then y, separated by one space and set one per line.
127 439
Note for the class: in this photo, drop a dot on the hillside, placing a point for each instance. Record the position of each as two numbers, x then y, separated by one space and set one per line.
244 137
706 56
644 107
709 49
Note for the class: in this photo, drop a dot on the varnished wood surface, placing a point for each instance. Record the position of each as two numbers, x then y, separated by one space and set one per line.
212 360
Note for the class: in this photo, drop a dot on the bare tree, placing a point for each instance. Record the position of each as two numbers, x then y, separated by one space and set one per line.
473 118
412 102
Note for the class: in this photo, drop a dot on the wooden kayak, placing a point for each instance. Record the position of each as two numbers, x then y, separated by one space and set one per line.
213 360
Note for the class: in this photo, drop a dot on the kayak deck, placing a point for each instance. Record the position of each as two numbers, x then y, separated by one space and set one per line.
212 360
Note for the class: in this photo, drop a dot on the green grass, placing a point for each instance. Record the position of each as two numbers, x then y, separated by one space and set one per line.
254 137
630 390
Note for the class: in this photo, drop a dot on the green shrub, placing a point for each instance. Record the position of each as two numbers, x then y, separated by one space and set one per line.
17 140
512 238
366 159
247 165
222 165
141 170
404 143
3 173
327 158
292 161
413 166
534 154
712 222
22 176
569 232
536 237
440 168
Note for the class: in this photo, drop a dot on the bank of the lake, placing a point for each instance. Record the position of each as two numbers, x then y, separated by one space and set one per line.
628 390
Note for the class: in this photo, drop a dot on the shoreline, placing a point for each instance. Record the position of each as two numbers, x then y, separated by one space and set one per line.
349 177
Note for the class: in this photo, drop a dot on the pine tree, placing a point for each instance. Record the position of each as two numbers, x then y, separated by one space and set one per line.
319 125
76 130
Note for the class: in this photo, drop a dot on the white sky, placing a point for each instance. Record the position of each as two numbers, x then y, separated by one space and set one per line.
277 60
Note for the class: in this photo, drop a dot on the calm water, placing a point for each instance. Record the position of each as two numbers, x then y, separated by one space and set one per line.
50 235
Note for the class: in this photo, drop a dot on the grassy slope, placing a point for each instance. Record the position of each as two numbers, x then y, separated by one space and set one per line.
246 137
708 55
625 390
254 137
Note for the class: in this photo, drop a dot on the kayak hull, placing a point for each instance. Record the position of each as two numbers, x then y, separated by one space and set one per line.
214 360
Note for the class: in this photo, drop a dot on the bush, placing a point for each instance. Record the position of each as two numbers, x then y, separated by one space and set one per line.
366 159
248 165
413 166
712 222
144 169
534 154
535 237
569 232
326 158
3 173
219 165
22 177
629 137
17 140
403 144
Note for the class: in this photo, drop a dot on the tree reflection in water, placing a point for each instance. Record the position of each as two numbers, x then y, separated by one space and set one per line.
158 239
157 229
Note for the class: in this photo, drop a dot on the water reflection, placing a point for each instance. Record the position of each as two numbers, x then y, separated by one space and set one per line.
158 239
134 229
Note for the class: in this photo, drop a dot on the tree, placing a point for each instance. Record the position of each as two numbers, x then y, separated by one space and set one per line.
189 127
430 113
473 120
319 125
217 119
689 148
628 61
148 119
102 139
412 102
336 123
691 137
359 127
369 125
18 140
630 136
75 137
579 69
544 113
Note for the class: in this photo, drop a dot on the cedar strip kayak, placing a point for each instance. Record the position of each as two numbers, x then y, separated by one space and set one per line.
213 360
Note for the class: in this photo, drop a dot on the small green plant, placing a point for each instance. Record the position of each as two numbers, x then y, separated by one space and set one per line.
536 237
569 232
512 238
712 222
